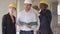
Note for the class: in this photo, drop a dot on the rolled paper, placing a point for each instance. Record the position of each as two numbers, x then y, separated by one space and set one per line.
30 23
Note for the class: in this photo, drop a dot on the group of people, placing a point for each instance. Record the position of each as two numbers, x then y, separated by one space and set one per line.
27 19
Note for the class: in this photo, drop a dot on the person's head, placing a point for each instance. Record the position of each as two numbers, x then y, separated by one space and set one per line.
27 5
43 5
12 8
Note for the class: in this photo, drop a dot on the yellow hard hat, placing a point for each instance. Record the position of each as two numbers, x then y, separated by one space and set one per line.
44 2
12 5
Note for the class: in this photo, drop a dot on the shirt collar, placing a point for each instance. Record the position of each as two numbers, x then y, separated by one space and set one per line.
27 12
39 10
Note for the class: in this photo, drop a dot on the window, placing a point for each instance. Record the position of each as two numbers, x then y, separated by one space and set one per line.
58 12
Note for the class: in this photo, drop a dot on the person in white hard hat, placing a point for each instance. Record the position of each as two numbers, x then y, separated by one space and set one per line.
27 19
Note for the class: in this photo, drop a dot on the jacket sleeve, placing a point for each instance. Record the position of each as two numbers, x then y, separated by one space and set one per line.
46 20
4 25
49 16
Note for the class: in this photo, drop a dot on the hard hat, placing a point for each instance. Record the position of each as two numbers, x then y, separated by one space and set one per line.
12 5
44 2
28 1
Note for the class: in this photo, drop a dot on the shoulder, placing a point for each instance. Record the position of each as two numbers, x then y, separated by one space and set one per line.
48 11
33 11
5 15
20 12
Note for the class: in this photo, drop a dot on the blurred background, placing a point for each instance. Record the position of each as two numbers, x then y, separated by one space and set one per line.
54 6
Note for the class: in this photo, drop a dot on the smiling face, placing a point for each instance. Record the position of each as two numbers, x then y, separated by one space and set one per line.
12 10
27 6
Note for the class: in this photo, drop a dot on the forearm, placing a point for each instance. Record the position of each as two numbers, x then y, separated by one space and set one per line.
35 7
3 29
37 28
4 21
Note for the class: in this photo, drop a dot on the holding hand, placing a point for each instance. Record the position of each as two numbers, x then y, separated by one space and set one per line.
29 26
19 24
35 7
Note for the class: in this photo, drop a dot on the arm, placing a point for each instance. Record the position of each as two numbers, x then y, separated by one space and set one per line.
35 7
47 19
4 25
49 16
18 19
36 31
37 28
18 22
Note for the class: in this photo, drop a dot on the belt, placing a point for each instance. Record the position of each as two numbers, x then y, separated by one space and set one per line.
26 31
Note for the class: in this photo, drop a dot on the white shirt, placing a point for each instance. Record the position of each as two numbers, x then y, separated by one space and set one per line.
39 10
27 17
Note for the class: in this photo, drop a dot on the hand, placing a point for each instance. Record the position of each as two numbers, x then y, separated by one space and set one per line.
35 7
19 24
29 26
36 32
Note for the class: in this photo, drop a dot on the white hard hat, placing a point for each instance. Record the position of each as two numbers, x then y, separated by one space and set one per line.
28 1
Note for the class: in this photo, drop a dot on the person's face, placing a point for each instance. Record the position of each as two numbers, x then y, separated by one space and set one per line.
43 6
12 10
27 6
